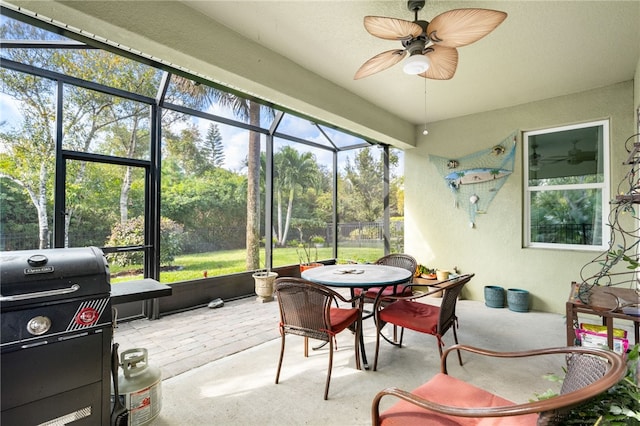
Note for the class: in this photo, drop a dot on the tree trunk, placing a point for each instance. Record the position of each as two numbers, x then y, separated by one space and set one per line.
279 207
253 191
124 195
41 206
287 224
126 180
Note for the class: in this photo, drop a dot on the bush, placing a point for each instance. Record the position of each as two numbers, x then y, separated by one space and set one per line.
170 240
131 233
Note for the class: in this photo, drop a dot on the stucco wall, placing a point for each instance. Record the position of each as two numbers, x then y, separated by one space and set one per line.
438 234
636 88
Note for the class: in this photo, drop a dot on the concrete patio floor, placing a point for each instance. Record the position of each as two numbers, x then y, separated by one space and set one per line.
218 365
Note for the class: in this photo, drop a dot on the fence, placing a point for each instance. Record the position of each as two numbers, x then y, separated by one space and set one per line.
359 234
572 233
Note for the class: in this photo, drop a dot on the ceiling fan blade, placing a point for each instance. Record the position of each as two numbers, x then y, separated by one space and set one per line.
443 62
391 28
460 27
380 62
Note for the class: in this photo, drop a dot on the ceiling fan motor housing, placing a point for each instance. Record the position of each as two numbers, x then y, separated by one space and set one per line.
415 46
415 5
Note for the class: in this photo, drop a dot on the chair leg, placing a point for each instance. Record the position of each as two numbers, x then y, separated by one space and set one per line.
326 387
440 345
280 361
375 359
455 339
357 342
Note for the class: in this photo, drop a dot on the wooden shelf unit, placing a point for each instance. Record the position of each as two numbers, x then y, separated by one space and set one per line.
602 303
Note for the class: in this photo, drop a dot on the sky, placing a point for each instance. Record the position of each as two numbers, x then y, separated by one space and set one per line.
234 139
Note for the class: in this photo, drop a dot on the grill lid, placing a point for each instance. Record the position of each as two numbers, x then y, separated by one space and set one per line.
29 276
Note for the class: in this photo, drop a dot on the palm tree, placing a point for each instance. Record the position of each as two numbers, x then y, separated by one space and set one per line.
294 170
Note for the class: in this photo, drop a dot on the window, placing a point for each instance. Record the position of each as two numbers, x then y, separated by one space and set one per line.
567 186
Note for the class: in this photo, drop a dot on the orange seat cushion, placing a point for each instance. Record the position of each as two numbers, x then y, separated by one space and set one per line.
412 315
447 390
342 318
372 292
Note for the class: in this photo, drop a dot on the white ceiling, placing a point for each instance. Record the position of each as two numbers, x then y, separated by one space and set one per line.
544 49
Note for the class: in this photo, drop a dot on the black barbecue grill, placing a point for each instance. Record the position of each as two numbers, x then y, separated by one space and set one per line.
55 340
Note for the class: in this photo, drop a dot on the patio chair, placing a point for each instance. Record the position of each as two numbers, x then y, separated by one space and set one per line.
407 312
445 400
306 309
399 260
371 294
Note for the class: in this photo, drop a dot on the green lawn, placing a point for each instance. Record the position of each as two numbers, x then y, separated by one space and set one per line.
192 266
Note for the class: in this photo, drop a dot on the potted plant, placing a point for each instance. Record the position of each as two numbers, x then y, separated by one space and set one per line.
619 405
317 241
308 255
427 276
263 281
425 272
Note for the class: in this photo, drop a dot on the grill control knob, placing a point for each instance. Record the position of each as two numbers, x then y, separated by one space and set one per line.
38 325
37 260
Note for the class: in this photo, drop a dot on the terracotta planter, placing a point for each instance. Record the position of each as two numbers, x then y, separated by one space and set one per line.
305 266
264 285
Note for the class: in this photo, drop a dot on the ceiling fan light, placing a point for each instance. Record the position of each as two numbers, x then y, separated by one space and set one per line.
416 64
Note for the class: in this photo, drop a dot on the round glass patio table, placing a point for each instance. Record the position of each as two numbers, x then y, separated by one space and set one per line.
357 276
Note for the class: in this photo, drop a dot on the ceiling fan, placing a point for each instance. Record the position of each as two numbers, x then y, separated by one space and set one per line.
577 156
534 159
431 45
574 156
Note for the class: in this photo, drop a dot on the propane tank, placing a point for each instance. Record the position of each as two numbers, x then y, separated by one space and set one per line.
140 384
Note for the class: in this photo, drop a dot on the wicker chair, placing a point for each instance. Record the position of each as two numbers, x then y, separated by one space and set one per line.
406 312
306 309
398 260
370 295
445 400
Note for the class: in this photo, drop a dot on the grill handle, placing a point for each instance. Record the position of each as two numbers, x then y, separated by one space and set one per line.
47 293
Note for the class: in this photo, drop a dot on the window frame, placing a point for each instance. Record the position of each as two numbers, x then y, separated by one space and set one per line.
604 186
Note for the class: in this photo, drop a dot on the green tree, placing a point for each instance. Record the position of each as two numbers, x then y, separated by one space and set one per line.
362 187
247 110
89 117
212 148
181 151
27 149
294 172
210 206
18 220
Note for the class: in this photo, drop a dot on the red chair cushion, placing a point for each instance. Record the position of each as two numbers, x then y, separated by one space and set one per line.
372 292
412 315
342 318
447 390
